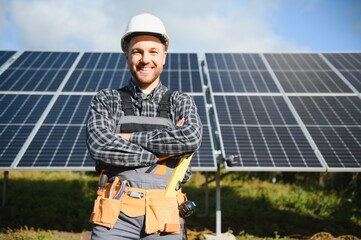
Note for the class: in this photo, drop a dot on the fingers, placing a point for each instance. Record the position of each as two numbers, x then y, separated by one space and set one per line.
126 136
180 122
161 158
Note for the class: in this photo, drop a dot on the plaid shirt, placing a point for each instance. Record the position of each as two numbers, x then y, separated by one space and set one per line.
107 148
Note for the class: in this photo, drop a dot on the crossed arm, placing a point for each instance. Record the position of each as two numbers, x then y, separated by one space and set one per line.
140 148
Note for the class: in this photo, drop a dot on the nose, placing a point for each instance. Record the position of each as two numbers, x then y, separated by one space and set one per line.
146 57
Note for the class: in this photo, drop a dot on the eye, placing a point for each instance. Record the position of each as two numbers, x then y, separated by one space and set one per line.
136 52
154 52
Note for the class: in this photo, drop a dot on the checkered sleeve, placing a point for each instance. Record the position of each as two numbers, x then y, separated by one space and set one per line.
103 144
180 141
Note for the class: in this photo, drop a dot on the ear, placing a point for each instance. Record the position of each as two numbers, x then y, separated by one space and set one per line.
126 54
165 57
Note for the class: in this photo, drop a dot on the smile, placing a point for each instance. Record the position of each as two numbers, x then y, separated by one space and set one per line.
146 69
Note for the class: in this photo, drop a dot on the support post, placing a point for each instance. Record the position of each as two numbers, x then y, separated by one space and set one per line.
218 203
206 197
5 183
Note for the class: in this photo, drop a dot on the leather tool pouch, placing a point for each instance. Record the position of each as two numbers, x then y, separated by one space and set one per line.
162 215
105 210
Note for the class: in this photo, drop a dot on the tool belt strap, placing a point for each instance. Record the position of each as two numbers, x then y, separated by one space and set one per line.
135 200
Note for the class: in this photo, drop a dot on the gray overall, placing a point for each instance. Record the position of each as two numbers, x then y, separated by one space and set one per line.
139 177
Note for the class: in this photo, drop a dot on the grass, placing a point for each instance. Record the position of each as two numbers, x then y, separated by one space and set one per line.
57 205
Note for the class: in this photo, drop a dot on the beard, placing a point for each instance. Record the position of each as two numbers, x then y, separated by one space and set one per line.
143 79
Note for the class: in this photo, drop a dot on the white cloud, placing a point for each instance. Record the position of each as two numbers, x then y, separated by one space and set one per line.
64 25
240 28
194 26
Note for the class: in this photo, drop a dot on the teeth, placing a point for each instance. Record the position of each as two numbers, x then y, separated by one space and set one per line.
146 69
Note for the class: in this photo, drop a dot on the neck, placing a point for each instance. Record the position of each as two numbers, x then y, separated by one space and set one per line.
146 87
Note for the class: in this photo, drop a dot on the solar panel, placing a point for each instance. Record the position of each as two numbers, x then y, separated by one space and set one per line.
60 141
5 56
18 116
305 73
261 134
37 71
45 101
96 71
349 65
272 112
334 123
181 72
204 159
234 73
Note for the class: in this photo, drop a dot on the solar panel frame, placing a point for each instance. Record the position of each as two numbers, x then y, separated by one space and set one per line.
5 56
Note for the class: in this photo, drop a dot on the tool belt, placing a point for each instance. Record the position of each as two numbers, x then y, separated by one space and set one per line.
161 213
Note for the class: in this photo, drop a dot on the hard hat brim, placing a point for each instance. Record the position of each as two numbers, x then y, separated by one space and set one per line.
130 35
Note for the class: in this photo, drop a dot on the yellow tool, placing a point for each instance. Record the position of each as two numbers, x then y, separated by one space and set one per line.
177 177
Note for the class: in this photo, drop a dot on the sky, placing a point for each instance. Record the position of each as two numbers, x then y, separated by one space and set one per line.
193 25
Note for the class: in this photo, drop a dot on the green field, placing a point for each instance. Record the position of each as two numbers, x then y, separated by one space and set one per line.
57 205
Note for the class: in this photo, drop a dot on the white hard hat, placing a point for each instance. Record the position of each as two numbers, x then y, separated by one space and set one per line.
145 24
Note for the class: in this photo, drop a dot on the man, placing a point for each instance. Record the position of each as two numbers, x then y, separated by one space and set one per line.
143 148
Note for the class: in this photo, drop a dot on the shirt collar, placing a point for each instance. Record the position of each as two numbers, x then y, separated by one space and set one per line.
156 93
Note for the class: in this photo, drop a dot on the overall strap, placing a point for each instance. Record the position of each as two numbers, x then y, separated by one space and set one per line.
127 104
164 105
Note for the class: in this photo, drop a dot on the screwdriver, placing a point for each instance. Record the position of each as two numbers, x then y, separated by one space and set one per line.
102 182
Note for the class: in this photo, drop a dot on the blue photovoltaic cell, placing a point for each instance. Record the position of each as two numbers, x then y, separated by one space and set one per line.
5 56
268 147
96 71
181 73
261 132
57 146
60 142
305 73
22 109
18 116
328 110
69 109
349 65
204 157
37 71
239 73
248 110
339 145
12 138
334 123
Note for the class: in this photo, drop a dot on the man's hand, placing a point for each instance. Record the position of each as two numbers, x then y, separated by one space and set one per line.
126 136
180 123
